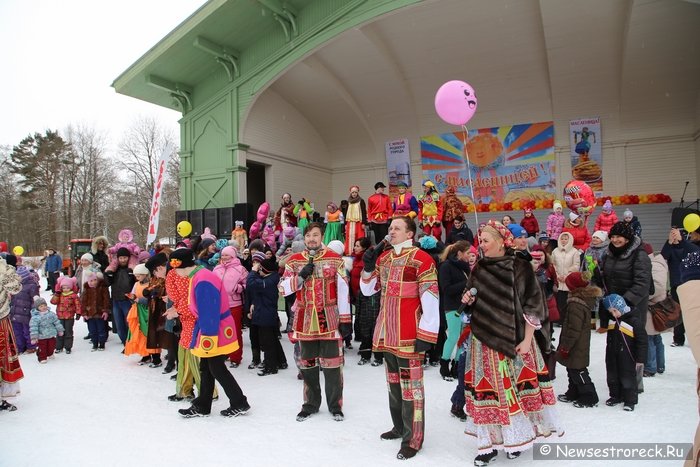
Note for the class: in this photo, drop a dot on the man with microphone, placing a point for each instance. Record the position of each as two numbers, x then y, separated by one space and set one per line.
407 325
318 278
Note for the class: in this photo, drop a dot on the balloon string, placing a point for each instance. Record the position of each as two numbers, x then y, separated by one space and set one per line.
465 137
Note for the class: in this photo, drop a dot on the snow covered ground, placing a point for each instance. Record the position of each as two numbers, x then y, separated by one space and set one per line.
101 408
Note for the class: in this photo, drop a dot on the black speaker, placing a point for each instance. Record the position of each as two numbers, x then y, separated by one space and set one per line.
197 221
678 214
181 216
244 212
211 220
226 224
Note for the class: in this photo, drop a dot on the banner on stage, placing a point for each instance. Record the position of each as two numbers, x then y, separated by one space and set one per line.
398 163
154 217
586 153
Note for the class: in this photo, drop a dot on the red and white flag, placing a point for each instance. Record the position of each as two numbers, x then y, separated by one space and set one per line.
158 194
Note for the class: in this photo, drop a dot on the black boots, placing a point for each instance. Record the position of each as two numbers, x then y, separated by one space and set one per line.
445 371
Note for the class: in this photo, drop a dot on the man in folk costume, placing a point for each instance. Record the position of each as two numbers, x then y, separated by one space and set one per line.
379 212
406 327
318 278
355 219
405 204
284 216
451 208
10 370
430 210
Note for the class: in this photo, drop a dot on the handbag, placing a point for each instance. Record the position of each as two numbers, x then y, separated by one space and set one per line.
665 314
553 309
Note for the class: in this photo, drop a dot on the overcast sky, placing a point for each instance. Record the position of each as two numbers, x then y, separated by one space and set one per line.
59 58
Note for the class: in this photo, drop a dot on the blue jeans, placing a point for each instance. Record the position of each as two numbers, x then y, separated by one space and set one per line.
120 308
98 330
655 355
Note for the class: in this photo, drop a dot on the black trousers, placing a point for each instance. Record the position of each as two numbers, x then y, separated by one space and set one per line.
271 345
380 231
214 369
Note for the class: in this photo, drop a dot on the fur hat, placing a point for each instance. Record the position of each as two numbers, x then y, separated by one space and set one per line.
690 267
517 230
600 234
573 216
575 280
38 301
623 230
336 246
379 185
86 257
155 261
556 205
181 258
617 302
141 269
607 206
123 251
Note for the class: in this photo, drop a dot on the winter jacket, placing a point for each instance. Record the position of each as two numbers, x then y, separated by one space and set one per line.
605 221
659 274
452 279
122 281
636 226
67 304
21 303
575 341
44 325
456 234
674 254
555 225
233 276
263 291
100 256
54 263
95 300
531 226
566 259
81 273
619 340
582 237
597 251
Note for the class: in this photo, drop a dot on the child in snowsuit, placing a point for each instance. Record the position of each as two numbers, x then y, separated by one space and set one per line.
44 326
67 309
95 306
624 353
575 341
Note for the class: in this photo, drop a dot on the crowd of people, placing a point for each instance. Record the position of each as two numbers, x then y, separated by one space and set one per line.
406 278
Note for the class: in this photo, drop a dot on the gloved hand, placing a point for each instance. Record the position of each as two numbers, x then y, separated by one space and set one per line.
422 346
564 353
370 259
306 271
345 329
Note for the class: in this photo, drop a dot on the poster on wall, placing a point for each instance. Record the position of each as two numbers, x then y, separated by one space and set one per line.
586 154
398 163
508 163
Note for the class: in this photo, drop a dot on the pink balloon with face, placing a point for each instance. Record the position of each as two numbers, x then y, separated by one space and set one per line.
456 102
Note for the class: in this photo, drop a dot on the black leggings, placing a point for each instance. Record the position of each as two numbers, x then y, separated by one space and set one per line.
214 369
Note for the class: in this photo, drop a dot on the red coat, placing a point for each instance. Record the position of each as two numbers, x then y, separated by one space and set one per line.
67 306
582 238
531 226
605 222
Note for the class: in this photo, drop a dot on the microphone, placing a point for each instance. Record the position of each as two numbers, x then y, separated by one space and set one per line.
312 253
472 291
381 245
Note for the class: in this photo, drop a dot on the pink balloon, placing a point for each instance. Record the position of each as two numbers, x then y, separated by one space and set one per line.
456 102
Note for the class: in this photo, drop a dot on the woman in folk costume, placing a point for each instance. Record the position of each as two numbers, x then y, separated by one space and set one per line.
284 217
355 219
137 319
10 371
303 212
430 210
334 224
510 400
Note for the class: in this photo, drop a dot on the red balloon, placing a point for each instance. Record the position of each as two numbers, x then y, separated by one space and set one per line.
579 197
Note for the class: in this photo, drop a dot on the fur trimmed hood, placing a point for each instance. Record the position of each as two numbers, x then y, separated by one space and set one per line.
96 240
585 293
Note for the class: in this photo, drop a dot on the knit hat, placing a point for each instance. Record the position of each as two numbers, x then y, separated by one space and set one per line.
269 265
86 257
141 269
627 213
617 302
573 216
155 261
517 230
542 237
230 251
473 250
575 280
623 230
556 205
337 246
11 260
123 251
259 256
143 256
38 301
65 281
607 206
690 267
601 234
181 258
537 253
428 242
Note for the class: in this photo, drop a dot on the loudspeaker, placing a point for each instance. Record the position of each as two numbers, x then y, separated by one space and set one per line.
244 212
678 214
211 220
226 222
197 221
181 216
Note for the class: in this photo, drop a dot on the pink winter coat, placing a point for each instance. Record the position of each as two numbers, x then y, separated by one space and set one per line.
233 276
555 224
605 222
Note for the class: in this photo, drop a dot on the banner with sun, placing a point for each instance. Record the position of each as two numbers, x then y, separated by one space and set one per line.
508 164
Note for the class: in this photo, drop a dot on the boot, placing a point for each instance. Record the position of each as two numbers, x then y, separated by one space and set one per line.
256 359
453 369
445 370
155 361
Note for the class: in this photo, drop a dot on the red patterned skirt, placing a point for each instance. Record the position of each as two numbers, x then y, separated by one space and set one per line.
10 370
509 401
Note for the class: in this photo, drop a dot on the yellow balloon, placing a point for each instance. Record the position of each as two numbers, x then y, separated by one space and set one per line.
184 228
18 250
691 222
